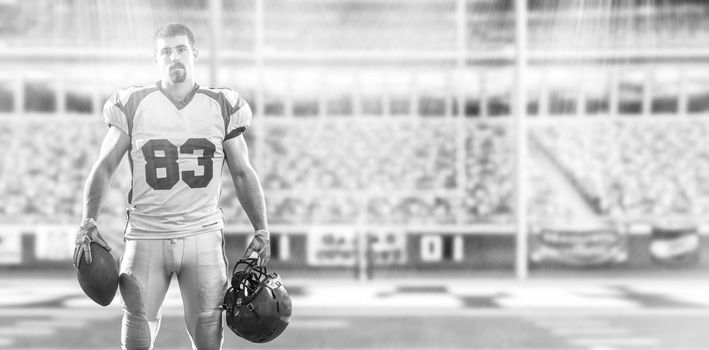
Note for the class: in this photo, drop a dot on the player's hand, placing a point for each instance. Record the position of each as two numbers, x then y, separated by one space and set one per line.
260 248
88 232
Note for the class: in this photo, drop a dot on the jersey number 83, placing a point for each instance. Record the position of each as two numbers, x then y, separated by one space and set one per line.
162 154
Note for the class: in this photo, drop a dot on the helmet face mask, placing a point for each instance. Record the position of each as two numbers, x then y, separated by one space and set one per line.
258 307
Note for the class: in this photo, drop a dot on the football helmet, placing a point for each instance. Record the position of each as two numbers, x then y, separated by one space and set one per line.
258 307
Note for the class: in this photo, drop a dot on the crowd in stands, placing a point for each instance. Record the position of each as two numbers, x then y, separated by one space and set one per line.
548 204
337 170
634 169
489 164
362 155
381 171
390 170
44 165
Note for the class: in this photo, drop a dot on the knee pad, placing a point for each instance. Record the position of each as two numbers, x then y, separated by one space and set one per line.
207 332
137 332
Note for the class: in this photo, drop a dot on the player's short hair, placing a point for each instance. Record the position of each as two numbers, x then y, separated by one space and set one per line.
175 29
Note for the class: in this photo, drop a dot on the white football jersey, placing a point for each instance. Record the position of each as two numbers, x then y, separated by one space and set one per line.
176 156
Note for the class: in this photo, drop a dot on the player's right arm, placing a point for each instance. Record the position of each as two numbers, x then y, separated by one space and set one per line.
115 145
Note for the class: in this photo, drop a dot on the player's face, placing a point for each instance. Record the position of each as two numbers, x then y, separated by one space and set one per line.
175 58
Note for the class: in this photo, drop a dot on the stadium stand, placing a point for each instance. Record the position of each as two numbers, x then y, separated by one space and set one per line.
327 170
345 134
633 169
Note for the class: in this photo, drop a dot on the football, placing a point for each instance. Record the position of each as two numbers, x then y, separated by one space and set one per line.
99 280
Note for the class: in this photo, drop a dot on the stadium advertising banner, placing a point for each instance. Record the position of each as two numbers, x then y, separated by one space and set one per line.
338 247
332 247
674 246
387 248
579 247
55 243
10 247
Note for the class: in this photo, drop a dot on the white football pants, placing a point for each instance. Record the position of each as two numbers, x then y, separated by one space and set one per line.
146 270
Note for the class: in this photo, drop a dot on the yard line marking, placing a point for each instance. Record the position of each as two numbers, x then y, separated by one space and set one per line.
319 324
25 332
493 313
576 322
59 323
614 341
65 314
590 331
96 313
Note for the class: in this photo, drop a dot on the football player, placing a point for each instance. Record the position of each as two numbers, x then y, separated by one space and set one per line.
178 136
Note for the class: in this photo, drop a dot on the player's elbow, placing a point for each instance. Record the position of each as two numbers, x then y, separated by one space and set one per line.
243 171
239 175
242 178
245 177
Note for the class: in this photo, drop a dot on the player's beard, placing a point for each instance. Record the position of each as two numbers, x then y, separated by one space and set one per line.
177 75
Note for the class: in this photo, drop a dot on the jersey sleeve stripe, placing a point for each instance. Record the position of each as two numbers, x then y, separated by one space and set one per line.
131 106
234 133
226 108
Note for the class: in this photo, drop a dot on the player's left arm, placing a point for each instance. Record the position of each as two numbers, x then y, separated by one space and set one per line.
250 195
